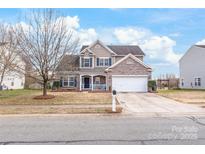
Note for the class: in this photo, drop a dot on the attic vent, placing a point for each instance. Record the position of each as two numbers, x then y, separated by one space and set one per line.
129 61
97 46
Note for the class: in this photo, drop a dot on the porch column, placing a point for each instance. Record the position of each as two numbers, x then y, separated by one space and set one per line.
80 82
92 81
106 84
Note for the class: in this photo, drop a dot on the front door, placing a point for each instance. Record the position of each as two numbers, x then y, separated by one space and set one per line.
86 82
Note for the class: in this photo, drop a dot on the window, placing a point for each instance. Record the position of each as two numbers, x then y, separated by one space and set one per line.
106 62
71 81
102 62
65 82
12 83
197 81
182 82
86 62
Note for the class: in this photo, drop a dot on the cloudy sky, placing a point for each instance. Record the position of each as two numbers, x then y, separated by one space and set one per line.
163 34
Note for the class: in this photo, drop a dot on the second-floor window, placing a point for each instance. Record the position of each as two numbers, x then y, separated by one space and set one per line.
103 62
197 81
86 62
182 82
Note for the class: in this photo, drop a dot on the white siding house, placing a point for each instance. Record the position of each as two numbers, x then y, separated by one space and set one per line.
192 68
15 79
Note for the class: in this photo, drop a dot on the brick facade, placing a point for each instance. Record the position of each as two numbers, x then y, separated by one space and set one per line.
128 66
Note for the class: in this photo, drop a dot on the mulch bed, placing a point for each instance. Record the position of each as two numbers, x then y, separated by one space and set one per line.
118 110
65 90
98 91
44 97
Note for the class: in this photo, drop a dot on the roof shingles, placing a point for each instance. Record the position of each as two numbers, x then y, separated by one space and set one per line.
69 63
123 49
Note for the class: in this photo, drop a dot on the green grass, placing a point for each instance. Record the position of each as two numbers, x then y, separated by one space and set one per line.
13 93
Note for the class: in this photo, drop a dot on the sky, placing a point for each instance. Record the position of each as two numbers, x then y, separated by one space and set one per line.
163 34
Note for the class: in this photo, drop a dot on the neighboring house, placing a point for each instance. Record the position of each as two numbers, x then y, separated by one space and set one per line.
13 71
192 68
101 67
13 80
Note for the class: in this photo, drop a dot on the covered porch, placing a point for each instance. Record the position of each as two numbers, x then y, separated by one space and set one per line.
93 82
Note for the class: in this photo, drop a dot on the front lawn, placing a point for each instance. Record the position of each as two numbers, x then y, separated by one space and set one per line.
25 97
185 96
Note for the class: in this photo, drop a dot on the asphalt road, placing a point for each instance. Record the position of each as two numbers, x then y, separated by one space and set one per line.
93 129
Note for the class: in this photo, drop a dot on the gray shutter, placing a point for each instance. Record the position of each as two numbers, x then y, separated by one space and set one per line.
61 82
91 62
75 82
97 61
110 61
82 62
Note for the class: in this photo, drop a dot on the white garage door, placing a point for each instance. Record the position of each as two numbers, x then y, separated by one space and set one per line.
129 83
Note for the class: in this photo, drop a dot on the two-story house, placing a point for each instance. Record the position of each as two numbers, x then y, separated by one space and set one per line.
101 67
11 71
192 68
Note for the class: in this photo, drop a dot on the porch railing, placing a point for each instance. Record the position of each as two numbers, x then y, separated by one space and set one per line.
99 86
95 87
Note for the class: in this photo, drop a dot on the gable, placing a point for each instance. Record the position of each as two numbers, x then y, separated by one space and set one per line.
132 57
87 52
130 66
194 54
100 51
98 47
130 62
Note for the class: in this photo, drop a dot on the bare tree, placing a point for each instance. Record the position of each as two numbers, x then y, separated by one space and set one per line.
44 42
9 56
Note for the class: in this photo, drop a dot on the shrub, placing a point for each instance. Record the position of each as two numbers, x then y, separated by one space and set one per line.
48 86
56 85
152 85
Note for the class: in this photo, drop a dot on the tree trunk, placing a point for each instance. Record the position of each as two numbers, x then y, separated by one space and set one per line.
44 88
1 80
2 77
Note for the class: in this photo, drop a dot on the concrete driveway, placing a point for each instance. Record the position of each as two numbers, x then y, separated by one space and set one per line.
152 104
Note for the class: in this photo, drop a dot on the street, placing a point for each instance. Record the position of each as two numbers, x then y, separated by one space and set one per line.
101 129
